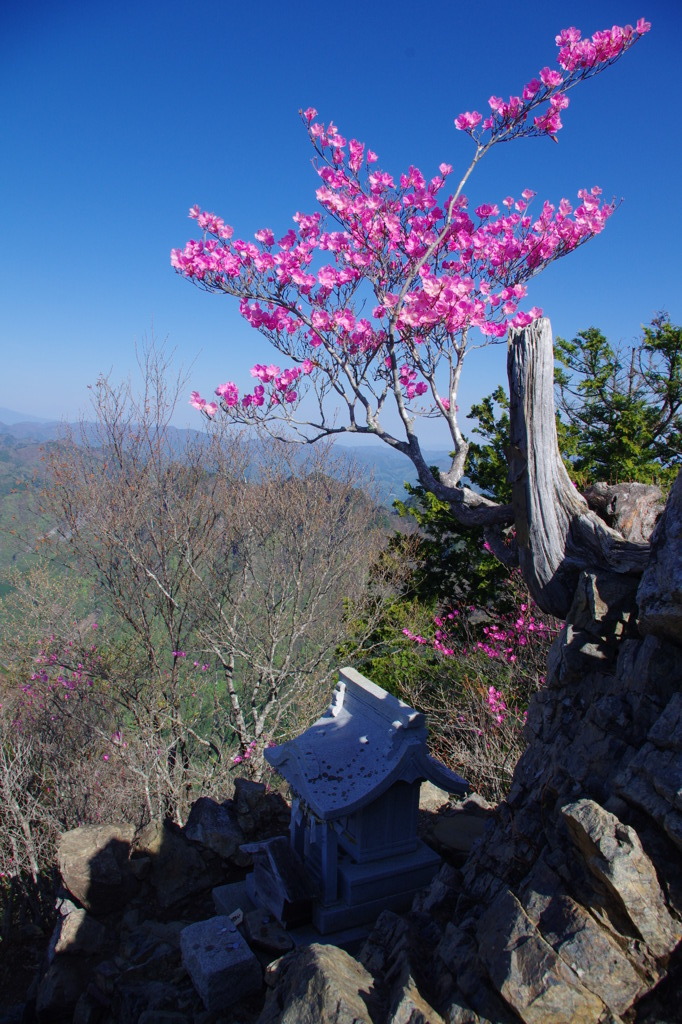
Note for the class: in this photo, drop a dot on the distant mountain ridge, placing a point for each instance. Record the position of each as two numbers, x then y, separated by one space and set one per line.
11 416
387 470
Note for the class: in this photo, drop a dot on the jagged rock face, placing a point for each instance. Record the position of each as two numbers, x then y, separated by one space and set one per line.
568 910
660 592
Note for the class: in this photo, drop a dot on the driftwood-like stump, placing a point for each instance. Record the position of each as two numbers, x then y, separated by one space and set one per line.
557 534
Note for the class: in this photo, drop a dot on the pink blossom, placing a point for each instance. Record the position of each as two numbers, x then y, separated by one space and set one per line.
551 79
467 121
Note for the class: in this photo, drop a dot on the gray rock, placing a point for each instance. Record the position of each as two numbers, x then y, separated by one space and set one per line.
60 989
591 953
162 1017
534 980
264 932
178 869
388 953
77 932
222 967
212 825
660 591
604 604
261 813
613 853
94 864
319 985
91 1008
432 798
633 509
133 998
232 897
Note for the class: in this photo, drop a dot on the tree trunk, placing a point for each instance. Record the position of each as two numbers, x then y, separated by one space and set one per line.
557 535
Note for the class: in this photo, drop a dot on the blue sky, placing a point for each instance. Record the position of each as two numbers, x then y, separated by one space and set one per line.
118 117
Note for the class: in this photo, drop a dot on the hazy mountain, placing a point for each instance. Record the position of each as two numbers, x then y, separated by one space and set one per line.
10 416
387 470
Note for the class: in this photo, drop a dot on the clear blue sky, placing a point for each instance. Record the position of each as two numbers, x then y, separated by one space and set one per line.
117 117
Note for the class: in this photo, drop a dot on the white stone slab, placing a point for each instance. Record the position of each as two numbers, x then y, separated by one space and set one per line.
220 963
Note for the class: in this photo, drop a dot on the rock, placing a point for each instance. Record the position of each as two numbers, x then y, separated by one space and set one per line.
261 814
212 825
91 1008
464 988
319 985
178 869
633 509
77 932
248 795
432 798
589 948
577 652
162 1017
133 998
94 864
534 980
660 591
227 899
222 967
604 604
613 853
389 954
262 931
458 832
60 989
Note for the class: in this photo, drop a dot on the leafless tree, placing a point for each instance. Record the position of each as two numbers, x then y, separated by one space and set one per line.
221 568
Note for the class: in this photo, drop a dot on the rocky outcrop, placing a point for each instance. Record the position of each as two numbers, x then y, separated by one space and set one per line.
319 985
660 592
569 907
632 509
138 939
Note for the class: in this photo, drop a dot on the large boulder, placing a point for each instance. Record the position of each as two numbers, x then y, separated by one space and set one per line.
94 862
177 868
212 825
319 985
660 591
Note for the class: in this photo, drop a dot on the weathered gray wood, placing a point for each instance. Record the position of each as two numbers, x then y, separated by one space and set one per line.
557 534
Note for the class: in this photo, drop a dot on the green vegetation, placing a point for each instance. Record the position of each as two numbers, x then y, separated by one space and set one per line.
621 408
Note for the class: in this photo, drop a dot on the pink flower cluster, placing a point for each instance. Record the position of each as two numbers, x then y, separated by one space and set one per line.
505 640
250 751
197 402
434 271
280 384
578 59
497 704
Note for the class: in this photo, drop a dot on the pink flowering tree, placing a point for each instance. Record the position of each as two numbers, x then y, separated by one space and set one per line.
373 302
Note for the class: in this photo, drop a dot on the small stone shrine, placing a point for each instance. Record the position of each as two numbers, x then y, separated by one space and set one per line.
355 776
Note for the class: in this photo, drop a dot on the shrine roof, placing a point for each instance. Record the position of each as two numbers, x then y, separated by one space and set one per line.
365 741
